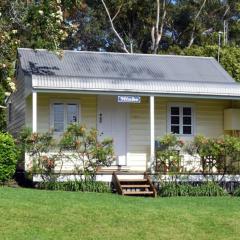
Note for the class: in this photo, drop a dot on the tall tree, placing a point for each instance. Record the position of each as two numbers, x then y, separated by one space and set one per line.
26 24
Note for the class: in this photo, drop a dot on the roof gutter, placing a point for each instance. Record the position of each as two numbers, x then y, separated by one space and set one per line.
142 93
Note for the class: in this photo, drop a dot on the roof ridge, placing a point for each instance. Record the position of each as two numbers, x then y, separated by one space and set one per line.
122 53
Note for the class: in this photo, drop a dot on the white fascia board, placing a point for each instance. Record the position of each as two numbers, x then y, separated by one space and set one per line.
133 92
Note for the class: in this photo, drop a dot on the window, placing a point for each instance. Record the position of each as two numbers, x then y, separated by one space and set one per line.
64 114
180 120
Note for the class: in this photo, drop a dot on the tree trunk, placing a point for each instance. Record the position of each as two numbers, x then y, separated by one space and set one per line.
192 38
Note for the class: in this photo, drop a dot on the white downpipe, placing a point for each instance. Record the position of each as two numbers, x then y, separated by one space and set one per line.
34 111
152 132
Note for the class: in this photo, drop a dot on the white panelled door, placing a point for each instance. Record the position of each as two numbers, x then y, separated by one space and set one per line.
112 122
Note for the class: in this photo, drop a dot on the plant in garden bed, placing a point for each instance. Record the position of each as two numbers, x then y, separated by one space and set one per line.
217 154
40 147
78 145
82 186
173 189
168 156
8 157
236 193
87 152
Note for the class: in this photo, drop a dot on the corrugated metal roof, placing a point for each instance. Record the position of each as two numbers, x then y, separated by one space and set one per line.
117 85
95 71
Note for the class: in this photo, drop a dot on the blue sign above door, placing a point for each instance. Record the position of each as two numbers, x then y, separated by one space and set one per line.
129 99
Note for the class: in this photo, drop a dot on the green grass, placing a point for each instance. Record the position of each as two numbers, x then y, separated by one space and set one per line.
38 214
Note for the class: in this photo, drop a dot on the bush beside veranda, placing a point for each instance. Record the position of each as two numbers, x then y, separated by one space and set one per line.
8 157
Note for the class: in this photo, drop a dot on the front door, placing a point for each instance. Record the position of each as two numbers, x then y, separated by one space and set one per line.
112 122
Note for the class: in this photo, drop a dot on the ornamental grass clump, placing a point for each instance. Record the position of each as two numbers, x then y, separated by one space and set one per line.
76 186
236 193
208 189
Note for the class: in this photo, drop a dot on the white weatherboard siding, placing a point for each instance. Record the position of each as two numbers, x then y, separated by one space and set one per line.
208 121
17 100
88 108
208 115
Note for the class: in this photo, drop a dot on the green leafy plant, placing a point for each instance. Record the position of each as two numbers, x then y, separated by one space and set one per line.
87 152
173 189
8 157
41 148
236 193
218 155
82 186
78 145
168 156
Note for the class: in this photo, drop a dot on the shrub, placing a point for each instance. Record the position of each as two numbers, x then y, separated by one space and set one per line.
184 189
237 192
8 157
78 146
90 152
168 156
220 155
39 146
76 186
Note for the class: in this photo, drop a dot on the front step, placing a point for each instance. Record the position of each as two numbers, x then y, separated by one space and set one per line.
134 187
138 193
133 180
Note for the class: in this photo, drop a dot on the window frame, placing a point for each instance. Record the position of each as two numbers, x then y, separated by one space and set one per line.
65 102
181 106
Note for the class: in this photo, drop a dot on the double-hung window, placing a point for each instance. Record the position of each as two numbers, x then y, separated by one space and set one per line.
180 119
64 114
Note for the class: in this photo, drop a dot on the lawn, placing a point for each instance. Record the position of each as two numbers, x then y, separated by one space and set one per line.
37 214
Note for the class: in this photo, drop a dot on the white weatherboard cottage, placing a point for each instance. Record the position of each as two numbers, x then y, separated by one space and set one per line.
133 98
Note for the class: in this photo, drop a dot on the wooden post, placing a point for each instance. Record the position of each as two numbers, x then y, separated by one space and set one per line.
34 111
152 132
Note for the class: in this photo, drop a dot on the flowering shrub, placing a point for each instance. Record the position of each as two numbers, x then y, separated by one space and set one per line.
78 145
39 146
217 154
168 156
87 149
45 26
32 24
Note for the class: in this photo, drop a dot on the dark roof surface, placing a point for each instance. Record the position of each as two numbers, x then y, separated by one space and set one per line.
122 66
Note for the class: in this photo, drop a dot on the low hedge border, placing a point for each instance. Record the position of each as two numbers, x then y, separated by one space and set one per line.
75 186
209 189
